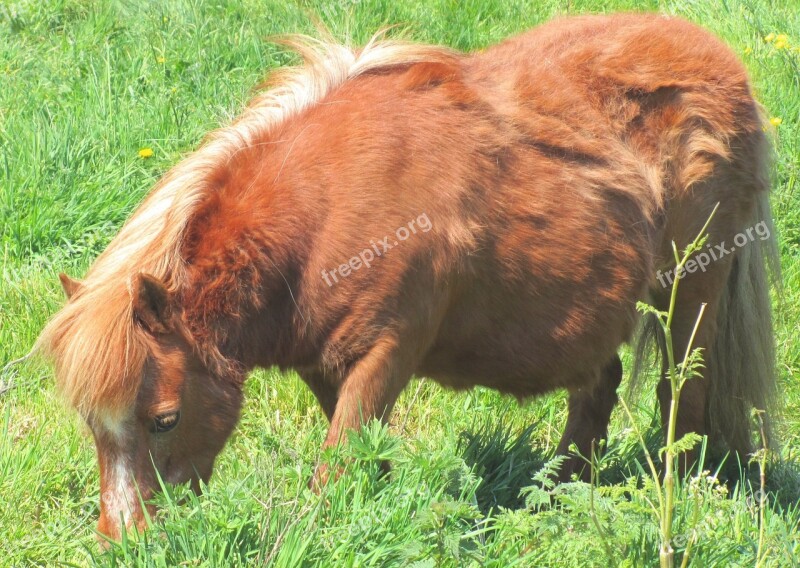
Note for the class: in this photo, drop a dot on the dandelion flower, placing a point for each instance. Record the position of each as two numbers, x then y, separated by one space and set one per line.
161 59
781 42
145 153
769 38
775 121
748 50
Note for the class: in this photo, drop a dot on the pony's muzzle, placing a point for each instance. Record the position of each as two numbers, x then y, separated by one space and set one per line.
133 521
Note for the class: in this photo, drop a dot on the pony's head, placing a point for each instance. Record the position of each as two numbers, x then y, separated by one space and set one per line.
175 422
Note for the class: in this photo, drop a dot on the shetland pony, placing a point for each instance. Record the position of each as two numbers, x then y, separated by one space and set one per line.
481 219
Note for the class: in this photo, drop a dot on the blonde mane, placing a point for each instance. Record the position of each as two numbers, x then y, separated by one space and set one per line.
97 351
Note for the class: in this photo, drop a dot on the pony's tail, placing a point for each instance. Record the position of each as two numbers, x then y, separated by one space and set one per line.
740 366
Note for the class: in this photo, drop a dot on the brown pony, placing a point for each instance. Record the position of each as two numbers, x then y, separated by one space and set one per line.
485 219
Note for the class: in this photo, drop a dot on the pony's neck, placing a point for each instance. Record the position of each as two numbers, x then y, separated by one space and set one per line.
245 251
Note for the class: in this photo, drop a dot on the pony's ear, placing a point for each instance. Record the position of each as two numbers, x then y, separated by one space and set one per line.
152 303
70 286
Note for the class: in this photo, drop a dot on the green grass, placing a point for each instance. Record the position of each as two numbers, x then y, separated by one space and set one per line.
85 84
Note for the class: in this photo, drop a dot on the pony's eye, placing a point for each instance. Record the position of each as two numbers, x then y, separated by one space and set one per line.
166 422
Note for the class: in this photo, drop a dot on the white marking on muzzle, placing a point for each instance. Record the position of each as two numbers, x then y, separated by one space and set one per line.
120 498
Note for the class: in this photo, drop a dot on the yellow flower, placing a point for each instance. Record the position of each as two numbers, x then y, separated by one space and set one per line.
781 43
775 121
161 59
145 153
769 38
748 50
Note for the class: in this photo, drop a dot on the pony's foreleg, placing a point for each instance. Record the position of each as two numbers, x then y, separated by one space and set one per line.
326 393
587 420
369 391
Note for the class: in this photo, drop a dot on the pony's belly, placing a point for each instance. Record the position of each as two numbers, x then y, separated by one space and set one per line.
526 348
521 366
518 387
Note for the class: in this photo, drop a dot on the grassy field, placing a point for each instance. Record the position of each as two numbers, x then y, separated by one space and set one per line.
85 85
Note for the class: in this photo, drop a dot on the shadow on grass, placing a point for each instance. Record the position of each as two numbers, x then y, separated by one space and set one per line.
507 460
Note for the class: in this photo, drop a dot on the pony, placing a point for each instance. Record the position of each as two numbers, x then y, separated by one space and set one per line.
400 210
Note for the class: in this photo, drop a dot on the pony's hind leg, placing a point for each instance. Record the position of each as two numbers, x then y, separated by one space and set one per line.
590 410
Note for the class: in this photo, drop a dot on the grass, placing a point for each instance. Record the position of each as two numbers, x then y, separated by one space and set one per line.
86 84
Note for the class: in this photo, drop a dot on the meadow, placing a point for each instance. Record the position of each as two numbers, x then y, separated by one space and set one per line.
99 98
